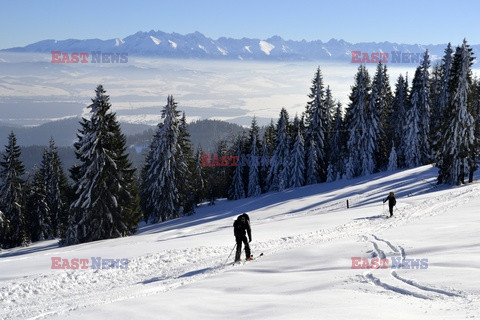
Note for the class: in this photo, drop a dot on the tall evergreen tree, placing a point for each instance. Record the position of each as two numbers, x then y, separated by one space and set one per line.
278 174
185 167
417 130
336 142
459 139
398 117
56 190
40 225
237 188
297 162
198 177
254 189
106 204
317 122
361 128
13 231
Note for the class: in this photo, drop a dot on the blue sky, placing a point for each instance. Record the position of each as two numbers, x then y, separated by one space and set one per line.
23 22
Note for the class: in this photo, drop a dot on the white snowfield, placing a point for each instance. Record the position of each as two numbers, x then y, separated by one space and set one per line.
177 269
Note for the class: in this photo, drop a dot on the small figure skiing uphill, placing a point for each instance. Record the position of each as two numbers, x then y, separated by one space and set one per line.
391 202
241 227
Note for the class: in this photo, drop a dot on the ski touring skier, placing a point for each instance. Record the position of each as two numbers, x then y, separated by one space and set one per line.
391 202
241 228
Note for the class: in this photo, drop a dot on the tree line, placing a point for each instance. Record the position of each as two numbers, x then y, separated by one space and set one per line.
436 121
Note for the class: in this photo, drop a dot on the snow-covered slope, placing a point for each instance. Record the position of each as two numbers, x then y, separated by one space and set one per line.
177 269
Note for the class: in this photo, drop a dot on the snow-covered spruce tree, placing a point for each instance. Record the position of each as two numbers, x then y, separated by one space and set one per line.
237 188
254 189
56 189
361 128
459 141
40 226
13 231
417 129
440 102
297 162
185 167
264 165
392 159
381 109
278 174
106 203
317 120
198 177
336 145
398 118
165 163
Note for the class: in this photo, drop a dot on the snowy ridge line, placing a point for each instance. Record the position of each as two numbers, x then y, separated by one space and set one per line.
369 277
422 287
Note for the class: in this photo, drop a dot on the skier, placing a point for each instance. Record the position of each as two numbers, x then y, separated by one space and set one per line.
240 226
391 202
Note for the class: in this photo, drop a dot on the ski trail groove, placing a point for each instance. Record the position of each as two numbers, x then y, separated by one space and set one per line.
380 253
375 281
387 242
422 287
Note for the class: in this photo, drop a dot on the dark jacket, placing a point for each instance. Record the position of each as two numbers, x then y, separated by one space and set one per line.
242 226
391 201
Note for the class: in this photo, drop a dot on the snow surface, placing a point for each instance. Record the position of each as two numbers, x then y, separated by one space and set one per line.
266 47
156 40
119 42
173 44
177 269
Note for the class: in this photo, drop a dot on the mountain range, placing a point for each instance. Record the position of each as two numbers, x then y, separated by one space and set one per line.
198 46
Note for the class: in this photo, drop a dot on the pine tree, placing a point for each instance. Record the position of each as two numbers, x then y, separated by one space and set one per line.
381 109
185 167
417 130
254 189
459 139
337 142
297 162
361 128
106 204
392 159
278 174
56 190
317 122
198 177
165 164
13 231
398 118
40 225
237 188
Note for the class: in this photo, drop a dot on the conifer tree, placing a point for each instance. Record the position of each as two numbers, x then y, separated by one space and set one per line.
254 189
105 204
40 225
12 187
237 188
297 162
278 174
459 141
317 122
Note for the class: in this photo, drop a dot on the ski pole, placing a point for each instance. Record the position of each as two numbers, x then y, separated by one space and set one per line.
229 255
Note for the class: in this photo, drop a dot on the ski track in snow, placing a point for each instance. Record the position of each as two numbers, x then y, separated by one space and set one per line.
37 296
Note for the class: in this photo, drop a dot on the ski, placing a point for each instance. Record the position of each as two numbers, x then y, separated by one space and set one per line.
243 261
